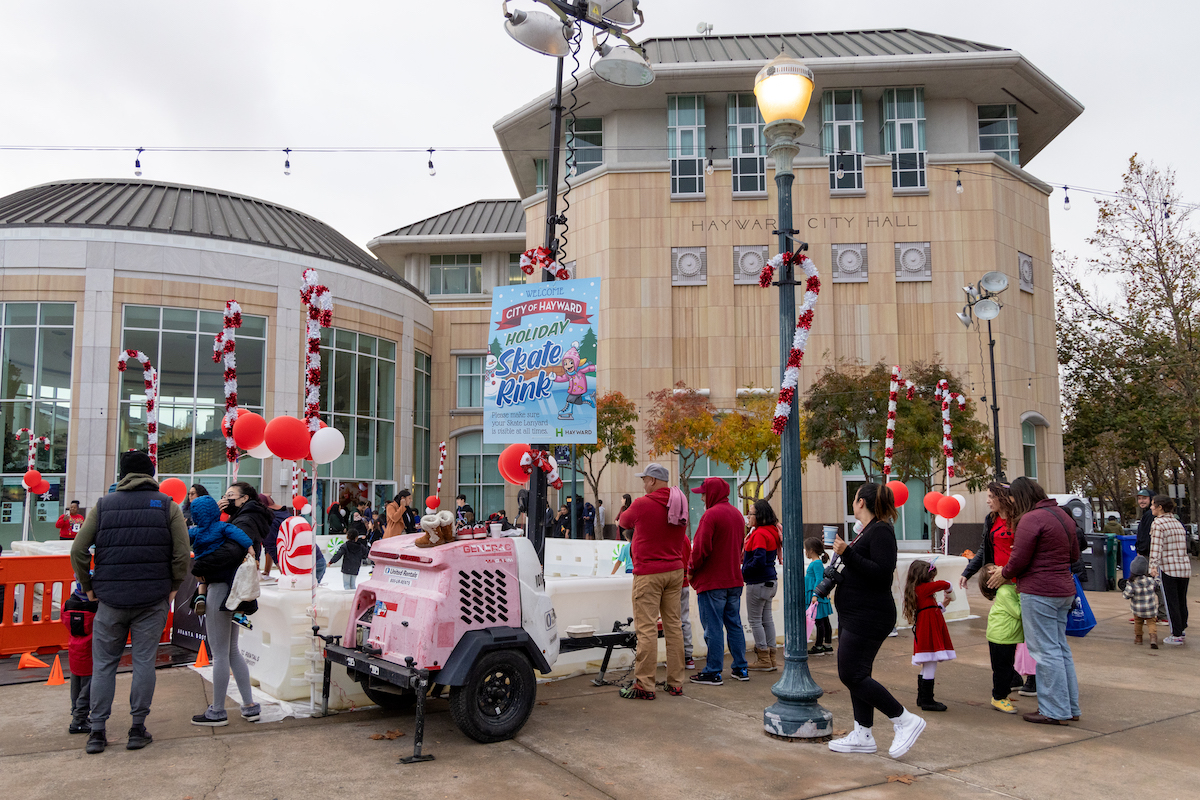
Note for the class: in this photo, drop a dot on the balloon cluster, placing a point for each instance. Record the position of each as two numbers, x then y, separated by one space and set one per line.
287 437
944 507
518 461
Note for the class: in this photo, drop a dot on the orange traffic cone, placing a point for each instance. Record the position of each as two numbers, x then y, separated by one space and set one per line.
30 661
56 676
202 656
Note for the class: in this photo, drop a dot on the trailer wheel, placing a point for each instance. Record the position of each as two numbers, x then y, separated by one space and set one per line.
497 698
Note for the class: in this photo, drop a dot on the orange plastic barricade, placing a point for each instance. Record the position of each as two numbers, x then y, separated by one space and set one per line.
21 575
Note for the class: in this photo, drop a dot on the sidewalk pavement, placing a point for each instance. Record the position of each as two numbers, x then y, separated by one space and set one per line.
1139 729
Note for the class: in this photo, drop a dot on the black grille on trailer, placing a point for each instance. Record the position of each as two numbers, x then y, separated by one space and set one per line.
483 596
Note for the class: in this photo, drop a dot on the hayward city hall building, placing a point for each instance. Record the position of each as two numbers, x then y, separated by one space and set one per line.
672 203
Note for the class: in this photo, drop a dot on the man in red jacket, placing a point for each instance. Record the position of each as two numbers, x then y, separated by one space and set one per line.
717 578
657 549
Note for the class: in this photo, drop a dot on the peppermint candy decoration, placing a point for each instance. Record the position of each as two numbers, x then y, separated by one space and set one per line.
893 388
294 545
319 302
150 377
224 349
34 441
943 392
542 257
791 373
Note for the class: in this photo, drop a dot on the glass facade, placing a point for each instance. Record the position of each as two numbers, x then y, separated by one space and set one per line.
422 443
456 274
745 145
685 144
470 382
515 276
36 348
585 145
998 132
479 474
1029 449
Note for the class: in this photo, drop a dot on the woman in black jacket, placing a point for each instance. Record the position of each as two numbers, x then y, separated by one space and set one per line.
241 503
866 615
995 525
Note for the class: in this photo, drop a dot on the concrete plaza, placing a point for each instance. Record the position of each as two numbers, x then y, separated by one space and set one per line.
1139 727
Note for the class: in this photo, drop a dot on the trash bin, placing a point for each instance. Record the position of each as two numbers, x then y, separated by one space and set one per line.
1128 548
1095 577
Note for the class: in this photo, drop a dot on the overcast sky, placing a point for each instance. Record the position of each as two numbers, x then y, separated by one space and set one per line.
439 74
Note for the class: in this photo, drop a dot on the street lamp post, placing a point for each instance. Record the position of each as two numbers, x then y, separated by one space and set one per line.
980 302
783 89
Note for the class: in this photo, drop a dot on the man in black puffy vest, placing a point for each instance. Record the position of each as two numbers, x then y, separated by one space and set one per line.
141 558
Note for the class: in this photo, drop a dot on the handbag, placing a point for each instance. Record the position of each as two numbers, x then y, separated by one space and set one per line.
811 616
1080 619
245 586
1023 662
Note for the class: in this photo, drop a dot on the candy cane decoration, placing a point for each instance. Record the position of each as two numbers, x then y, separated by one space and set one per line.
893 388
224 349
791 374
441 467
298 472
150 376
34 441
319 302
943 391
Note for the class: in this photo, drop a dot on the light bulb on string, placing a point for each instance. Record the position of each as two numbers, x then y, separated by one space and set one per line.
708 169
287 161
1166 210
841 173
1066 200
432 171
137 162
958 184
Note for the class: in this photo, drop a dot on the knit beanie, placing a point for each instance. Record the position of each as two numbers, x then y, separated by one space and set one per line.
1139 566
135 461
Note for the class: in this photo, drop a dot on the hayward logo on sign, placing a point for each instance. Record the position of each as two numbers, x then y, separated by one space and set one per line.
539 381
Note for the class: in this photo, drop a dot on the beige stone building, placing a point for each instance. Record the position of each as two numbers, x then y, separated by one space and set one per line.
672 203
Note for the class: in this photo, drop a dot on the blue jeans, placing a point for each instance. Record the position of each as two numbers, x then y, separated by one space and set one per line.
721 614
1045 623
348 581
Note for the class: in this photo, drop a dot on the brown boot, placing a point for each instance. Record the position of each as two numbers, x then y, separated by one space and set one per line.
763 664
438 529
1154 641
1137 638
774 663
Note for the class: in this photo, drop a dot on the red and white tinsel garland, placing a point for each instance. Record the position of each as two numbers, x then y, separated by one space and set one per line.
943 392
791 373
150 377
542 257
224 349
542 460
34 441
890 440
319 302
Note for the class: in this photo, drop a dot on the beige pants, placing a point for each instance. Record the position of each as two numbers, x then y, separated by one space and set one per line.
1151 626
657 596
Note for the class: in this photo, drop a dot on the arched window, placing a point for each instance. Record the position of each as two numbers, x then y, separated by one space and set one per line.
1029 448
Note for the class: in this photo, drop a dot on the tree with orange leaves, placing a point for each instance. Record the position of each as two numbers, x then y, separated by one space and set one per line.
616 438
681 423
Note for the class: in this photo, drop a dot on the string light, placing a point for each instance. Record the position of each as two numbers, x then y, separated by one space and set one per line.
287 161
958 183
432 171
1166 210
137 162
841 173
1066 200
708 170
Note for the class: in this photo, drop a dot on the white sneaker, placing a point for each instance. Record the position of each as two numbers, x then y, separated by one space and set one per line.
908 727
859 740
1173 640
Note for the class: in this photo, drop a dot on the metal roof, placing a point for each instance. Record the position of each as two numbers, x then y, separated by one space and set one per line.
188 210
834 44
480 217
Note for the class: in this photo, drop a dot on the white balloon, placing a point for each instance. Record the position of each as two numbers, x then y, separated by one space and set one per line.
261 451
327 444
942 522
962 502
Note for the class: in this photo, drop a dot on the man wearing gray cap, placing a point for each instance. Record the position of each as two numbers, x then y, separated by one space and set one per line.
657 548
1142 545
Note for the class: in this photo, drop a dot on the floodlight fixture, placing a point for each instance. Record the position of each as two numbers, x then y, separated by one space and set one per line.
622 66
987 309
964 316
538 31
993 282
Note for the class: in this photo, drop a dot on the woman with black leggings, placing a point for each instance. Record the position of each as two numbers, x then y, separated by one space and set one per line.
866 615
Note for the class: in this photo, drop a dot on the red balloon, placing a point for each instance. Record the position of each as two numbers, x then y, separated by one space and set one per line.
42 487
32 478
931 502
899 491
509 464
287 437
948 507
241 412
174 488
299 503
432 501
248 430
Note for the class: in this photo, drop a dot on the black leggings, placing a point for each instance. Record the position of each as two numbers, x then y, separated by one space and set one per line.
1175 590
856 656
824 632
1002 656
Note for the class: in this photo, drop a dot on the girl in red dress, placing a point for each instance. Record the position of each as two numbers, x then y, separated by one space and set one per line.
931 638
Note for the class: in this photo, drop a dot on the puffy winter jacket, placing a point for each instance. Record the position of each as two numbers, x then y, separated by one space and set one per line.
77 614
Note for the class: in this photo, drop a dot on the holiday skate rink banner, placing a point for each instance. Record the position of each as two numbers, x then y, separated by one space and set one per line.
539 381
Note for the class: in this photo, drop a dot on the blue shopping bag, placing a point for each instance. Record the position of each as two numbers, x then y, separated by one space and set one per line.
1080 620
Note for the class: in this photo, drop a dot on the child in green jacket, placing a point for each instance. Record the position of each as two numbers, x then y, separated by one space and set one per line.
1004 633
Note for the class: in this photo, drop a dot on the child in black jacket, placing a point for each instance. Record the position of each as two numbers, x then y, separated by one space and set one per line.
351 554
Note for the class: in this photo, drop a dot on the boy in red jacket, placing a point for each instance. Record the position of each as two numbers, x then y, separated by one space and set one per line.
77 615
716 570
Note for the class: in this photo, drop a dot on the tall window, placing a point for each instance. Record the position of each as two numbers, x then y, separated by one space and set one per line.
685 144
470 382
542 179
456 274
746 148
422 404
842 136
358 397
179 342
36 346
1029 448
585 144
904 135
479 474
998 132
515 276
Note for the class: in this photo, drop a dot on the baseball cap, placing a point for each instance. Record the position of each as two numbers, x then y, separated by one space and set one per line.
1145 492
656 471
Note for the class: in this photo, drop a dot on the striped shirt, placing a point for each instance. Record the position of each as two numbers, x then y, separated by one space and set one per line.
1168 547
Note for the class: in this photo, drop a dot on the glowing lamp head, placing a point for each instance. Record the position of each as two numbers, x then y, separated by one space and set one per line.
783 88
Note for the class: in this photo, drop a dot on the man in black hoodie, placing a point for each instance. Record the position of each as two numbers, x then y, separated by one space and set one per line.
241 503
1144 496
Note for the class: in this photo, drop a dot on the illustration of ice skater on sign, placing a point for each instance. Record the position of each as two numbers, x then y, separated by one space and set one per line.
540 374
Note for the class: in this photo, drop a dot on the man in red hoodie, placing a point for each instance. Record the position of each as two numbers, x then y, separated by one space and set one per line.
716 572
657 550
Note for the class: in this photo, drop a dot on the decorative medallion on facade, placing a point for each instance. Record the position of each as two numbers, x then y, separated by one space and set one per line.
1025 270
689 266
849 263
748 261
913 262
